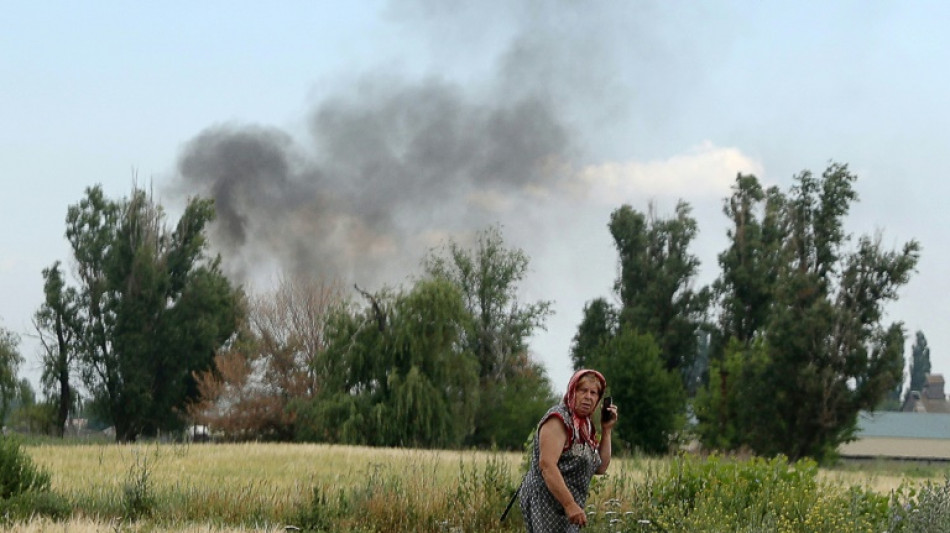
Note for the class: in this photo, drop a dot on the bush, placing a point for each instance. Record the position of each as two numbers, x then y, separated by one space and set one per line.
925 510
719 493
18 474
31 504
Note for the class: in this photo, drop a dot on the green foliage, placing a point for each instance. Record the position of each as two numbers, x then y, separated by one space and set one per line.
735 410
408 380
919 363
652 397
57 325
817 309
35 418
153 308
648 348
488 279
321 512
29 505
682 493
10 361
657 272
598 326
926 509
390 500
18 474
443 364
518 404
750 266
497 334
718 493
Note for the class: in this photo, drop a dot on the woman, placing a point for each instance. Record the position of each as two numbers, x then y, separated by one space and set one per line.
566 456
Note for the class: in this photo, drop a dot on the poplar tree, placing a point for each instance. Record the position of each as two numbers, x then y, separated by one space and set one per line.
598 326
825 352
655 285
154 308
919 363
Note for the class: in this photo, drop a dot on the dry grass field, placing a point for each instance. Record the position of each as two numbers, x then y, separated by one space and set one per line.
209 487
228 483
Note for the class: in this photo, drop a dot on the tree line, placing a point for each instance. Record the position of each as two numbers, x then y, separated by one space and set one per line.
785 347
778 355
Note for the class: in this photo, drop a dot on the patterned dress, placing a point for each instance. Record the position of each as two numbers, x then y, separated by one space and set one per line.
542 512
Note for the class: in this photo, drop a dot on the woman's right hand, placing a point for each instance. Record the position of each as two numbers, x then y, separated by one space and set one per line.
575 514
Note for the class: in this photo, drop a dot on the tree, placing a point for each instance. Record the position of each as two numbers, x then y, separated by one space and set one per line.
277 364
230 402
919 363
10 361
749 267
827 353
406 378
736 410
652 396
498 332
655 282
57 323
598 326
28 416
154 308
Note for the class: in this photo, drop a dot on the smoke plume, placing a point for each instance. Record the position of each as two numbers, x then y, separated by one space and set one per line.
389 170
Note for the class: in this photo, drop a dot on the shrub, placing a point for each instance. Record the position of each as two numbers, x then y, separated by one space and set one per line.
18 474
31 504
925 510
720 493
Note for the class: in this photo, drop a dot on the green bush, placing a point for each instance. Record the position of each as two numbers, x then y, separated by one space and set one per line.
18 474
30 504
720 493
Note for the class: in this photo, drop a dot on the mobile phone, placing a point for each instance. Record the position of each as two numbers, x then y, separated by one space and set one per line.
605 414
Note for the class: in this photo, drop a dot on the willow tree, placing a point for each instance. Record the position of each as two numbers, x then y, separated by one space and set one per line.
403 378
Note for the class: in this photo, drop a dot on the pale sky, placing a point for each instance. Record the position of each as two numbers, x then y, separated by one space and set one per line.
364 133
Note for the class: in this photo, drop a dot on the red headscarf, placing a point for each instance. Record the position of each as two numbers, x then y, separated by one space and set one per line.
583 423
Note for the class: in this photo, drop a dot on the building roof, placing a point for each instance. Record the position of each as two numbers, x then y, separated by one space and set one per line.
893 424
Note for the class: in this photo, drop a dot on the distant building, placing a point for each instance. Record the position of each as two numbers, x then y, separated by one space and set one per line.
932 399
900 435
919 431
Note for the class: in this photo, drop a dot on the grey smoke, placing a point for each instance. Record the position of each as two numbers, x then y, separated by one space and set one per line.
392 165
388 167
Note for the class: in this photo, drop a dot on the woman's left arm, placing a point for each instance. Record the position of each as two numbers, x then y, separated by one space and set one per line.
606 429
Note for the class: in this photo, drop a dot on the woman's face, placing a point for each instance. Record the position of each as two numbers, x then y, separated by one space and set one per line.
586 395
